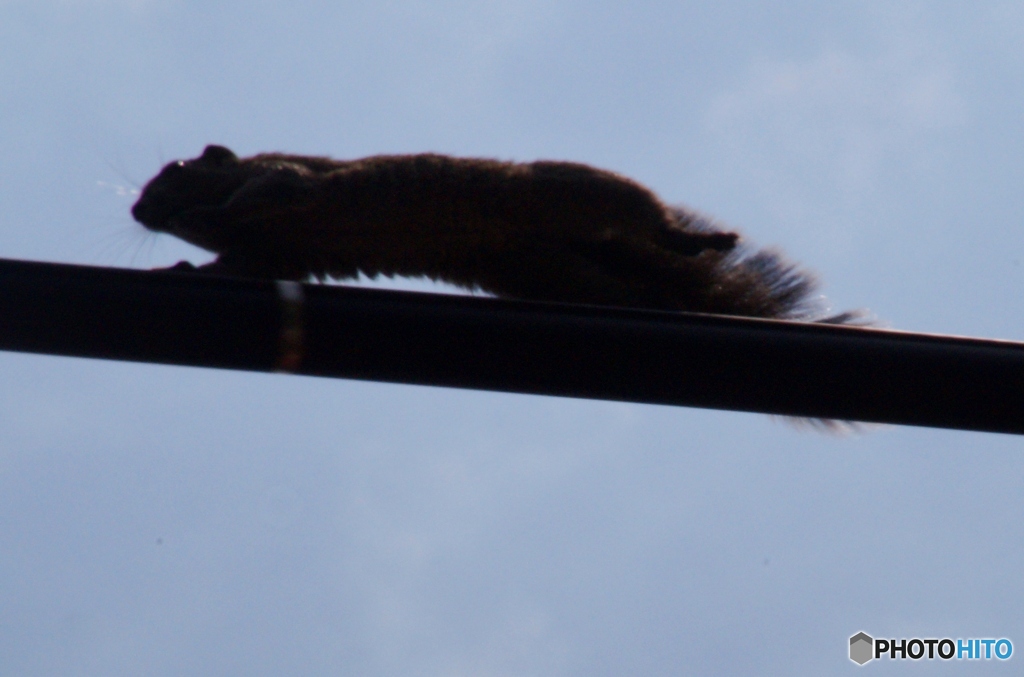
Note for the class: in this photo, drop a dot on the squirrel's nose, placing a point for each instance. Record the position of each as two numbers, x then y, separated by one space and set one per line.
145 213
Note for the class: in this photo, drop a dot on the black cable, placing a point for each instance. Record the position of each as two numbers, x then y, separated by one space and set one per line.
767 366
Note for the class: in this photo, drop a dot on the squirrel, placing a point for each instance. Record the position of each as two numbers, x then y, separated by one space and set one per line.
546 231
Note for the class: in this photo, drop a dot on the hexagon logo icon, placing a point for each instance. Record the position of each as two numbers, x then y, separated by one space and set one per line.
861 648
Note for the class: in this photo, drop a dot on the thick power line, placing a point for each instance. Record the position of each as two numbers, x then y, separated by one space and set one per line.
767 366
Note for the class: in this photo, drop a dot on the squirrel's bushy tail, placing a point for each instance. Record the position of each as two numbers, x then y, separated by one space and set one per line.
760 283
763 284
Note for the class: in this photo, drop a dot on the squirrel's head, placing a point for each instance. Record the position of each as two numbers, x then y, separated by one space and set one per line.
186 185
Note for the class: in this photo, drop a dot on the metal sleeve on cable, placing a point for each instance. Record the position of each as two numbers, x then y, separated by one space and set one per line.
292 330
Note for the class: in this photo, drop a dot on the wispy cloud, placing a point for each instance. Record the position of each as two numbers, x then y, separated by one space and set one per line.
840 114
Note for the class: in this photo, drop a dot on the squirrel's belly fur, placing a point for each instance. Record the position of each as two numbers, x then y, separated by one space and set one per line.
553 231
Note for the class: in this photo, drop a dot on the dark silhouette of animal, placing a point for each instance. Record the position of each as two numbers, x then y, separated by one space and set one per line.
549 231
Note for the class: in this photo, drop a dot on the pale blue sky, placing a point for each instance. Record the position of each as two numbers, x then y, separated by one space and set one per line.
168 521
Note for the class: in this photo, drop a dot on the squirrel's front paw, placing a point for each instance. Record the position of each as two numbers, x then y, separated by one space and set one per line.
180 266
213 267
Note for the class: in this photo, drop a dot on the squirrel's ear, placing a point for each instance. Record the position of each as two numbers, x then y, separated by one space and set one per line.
218 156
